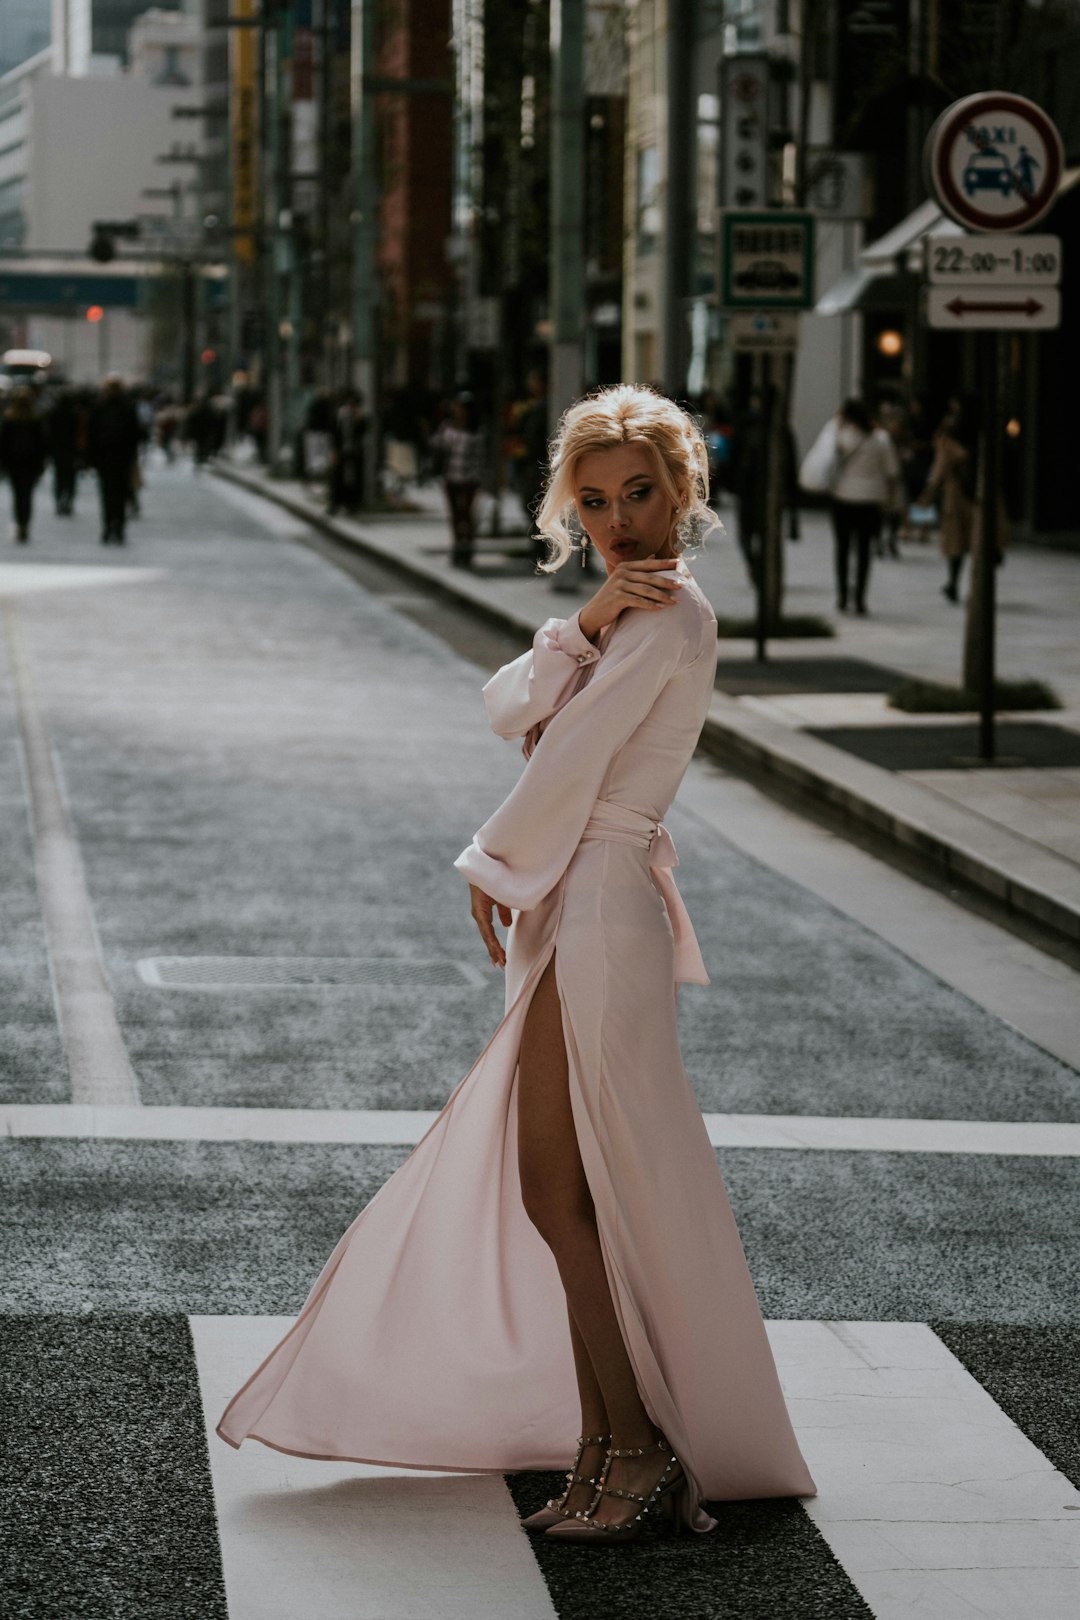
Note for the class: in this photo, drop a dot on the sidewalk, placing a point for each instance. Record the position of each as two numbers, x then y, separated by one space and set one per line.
815 719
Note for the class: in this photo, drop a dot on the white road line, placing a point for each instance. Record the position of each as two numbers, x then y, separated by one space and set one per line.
97 1058
930 1497
345 1541
373 1127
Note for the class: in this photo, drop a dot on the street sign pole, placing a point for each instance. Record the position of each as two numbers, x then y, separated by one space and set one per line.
988 539
994 161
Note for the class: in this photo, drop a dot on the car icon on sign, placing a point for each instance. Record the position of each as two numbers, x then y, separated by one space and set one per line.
988 171
768 275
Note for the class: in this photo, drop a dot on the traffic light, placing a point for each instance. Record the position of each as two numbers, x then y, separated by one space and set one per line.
102 247
103 238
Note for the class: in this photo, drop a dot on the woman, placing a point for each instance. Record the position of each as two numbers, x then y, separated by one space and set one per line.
953 483
23 452
460 446
865 484
560 1244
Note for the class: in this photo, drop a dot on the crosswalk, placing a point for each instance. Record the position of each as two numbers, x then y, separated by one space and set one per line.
930 1498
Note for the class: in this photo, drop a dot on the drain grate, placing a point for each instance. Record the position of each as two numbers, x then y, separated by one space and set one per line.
300 972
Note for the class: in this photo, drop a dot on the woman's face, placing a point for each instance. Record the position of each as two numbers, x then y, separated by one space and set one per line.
622 505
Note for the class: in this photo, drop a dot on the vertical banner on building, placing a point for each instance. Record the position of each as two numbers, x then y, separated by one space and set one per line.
244 128
744 149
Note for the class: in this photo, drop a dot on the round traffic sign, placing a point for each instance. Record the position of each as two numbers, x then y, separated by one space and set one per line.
994 161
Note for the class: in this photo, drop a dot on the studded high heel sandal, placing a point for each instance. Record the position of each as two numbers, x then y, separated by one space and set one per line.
668 1503
556 1510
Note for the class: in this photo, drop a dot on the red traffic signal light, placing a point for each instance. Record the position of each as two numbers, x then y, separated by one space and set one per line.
95 313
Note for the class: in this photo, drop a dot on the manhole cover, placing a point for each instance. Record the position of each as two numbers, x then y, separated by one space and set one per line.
298 972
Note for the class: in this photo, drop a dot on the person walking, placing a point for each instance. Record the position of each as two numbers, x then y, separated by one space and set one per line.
532 433
112 447
865 483
460 444
558 1253
65 432
23 452
953 483
350 427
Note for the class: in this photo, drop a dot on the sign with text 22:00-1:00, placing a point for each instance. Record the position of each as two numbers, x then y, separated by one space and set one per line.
766 259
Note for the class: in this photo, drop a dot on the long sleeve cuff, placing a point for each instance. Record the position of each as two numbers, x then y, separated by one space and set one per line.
568 636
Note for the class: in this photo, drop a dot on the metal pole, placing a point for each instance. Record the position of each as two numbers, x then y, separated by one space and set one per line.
365 231
676 278
567 203
272 103
762 384
988 538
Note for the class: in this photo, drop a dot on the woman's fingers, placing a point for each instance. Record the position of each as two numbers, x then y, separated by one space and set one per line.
506 916
482 905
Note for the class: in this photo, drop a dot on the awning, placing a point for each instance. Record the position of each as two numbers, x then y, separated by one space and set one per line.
877 280
862 289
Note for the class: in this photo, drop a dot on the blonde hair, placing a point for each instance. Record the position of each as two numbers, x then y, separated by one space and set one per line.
626 414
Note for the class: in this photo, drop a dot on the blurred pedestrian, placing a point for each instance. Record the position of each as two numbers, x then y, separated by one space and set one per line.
201 429
953 484
865 483
112 448
23 453
460 445
65 430
532 433
890 427
347 454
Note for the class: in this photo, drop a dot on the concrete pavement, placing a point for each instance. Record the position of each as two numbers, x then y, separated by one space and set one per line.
266 771
1011 833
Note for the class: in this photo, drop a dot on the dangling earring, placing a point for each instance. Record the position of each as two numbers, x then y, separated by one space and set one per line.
584 548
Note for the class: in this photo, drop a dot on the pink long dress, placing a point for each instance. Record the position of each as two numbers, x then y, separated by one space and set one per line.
436 1335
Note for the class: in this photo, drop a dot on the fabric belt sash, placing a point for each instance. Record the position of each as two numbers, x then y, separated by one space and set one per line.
618 824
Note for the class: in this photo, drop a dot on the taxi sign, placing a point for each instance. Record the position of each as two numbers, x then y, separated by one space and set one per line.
766 259
994 161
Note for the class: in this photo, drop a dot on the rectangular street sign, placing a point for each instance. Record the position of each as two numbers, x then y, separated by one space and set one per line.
766 259
763 332
982 308
1017 261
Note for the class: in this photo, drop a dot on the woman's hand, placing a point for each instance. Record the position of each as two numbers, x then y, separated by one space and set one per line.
482 905
651 584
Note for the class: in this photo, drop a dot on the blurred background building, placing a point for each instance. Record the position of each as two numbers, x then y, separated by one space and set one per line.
419 196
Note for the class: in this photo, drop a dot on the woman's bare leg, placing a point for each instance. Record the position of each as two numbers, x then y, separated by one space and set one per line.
557 1199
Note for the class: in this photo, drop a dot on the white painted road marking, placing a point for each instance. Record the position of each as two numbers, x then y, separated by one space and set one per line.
98 1064
345 1541
935 1503
405 1127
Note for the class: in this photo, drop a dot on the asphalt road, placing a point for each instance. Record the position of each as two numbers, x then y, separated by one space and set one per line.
265 767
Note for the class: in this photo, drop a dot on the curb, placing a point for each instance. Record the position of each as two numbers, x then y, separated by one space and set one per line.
1026 879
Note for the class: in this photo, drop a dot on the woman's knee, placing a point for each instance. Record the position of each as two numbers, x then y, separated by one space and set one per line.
562 1216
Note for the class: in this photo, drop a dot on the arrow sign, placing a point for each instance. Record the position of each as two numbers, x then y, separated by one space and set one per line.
965 306
1027 309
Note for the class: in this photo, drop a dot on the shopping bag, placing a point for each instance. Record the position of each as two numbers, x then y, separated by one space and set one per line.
818 471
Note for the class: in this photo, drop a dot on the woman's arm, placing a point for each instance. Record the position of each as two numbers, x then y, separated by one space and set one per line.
520 854
531 689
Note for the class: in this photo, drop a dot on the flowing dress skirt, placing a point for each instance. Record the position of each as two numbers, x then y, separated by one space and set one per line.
436 1336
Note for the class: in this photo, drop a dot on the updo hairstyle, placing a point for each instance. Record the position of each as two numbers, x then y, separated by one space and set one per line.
626 414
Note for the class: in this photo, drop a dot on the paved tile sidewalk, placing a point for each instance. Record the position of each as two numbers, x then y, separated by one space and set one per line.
1012 833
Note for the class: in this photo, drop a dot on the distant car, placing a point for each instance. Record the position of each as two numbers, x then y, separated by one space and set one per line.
988 171
768 275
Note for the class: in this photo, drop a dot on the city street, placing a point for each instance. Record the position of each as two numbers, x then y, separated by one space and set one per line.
239 977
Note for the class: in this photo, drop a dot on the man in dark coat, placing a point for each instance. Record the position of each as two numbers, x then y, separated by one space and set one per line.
112 445
64 428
